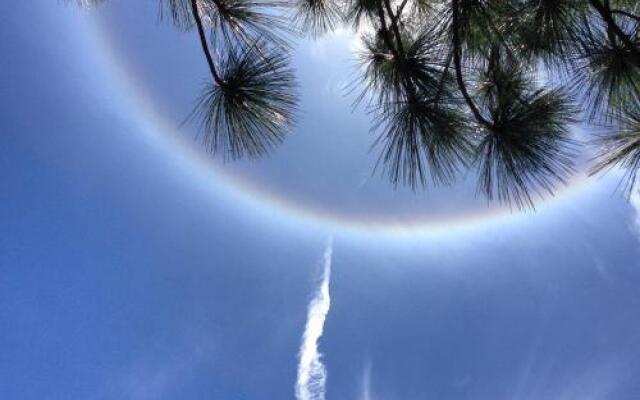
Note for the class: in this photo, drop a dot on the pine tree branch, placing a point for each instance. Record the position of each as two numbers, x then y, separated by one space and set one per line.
457 55
203 42
496 30
626 14
385 31
394 27
443 78
605 14
398 56
400 9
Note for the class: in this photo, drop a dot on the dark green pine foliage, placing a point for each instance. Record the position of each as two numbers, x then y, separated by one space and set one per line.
249 110
489 85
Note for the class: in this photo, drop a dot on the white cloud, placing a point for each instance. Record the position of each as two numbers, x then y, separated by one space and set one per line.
312 374
365 388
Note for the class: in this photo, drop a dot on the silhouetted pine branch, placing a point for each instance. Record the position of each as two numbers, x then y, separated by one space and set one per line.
622 147
450 84
316 17
252 107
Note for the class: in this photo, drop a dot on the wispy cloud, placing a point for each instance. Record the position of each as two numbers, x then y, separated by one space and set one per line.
159 372
365 389
312 374
634 199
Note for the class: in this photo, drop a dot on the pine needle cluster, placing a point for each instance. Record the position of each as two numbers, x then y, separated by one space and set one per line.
452 85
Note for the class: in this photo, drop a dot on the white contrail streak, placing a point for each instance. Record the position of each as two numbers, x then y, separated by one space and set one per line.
312 374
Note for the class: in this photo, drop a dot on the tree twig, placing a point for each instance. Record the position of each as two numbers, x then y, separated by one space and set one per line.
605 14
394 27
457 54
626 14
204 43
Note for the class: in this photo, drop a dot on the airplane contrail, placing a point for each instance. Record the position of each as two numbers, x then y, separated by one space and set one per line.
312 374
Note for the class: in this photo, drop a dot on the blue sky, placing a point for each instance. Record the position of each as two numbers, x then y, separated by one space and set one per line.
133 267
